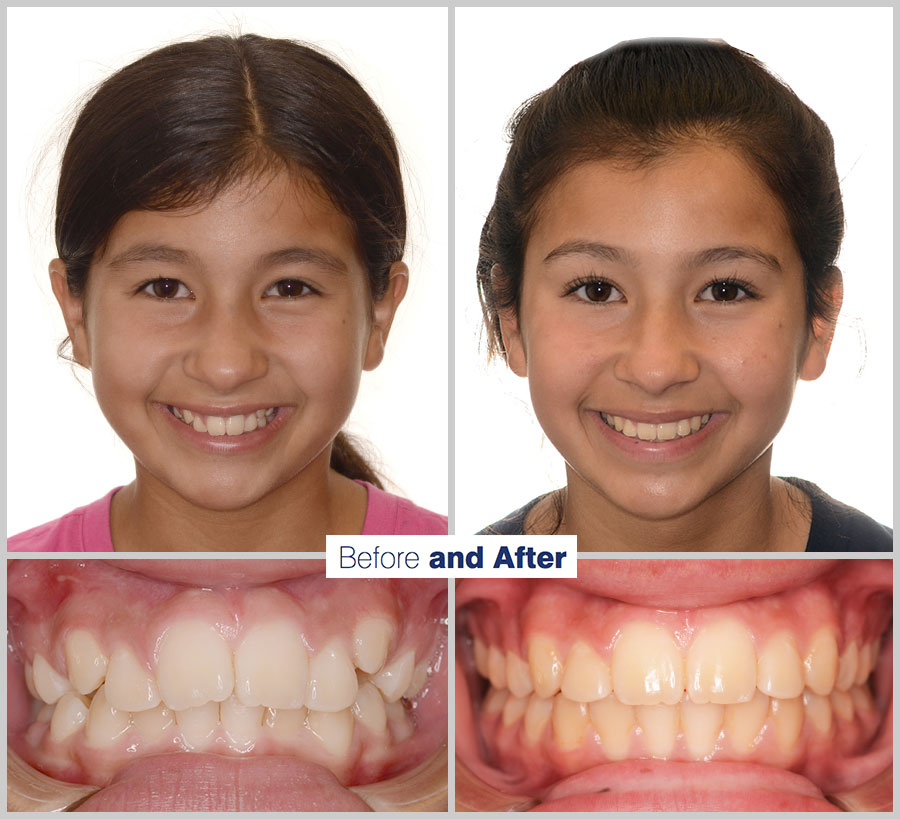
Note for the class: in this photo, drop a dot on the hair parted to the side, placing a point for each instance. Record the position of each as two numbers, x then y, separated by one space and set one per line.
181 124
634 104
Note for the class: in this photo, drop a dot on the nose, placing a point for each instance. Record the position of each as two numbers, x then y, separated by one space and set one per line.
658 350
226 348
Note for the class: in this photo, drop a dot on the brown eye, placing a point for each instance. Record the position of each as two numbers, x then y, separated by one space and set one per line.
724 291
598 292
167 289
289 289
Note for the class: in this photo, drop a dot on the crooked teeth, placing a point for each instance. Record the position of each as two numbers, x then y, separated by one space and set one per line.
656 432
194 666
232 425
272 667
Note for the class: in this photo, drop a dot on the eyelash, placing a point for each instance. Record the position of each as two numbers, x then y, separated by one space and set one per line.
145 287
731 281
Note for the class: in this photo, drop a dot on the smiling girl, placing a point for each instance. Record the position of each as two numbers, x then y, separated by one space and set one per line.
659 263
230 225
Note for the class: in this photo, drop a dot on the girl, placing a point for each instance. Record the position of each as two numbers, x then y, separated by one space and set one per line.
230 226
659 263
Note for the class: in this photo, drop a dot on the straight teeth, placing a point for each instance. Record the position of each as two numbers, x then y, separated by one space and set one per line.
656 432
217 425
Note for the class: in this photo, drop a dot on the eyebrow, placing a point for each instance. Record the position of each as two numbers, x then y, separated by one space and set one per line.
716 255
579 247
149 253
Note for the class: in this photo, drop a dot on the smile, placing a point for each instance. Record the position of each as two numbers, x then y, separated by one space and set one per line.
567 689
240 672
656 432
218 425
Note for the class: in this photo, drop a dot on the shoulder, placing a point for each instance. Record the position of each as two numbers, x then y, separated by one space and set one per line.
388 514
836 527
514 522
85 529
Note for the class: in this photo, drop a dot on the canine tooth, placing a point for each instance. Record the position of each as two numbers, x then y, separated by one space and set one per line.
85 661
701 725
260 413
646 666
193 666
646 432
570 721
104 723
667 432
29 681
250 423
334 729
862 699
197 725
514 709
818 711
629 428
787 716
517 676
242 723
821 662
270 412
177 413
234 425
696 423
271 666
70 714
419 678
849 664
399 723
704 419
369 709
659 724
48 684
496 667
285 725
779 669
614 723
153 724
721 664
619 422
129 686
586 677
683 428
332 679
494 701
198 424
395 677
842 704
480 652
188 416
215 425
865 664
537 715
545 665
744 721
261 420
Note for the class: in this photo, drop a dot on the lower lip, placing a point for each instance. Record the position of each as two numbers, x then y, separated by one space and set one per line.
227 444
658 451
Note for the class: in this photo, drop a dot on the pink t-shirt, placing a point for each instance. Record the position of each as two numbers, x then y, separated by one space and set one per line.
86 529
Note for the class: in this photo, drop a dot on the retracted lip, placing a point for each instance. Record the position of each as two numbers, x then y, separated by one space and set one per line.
656 416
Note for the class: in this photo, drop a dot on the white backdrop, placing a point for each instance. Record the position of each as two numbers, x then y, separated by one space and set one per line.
64 454
838 61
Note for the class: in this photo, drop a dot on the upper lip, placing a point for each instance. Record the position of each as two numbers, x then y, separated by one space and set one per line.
656 416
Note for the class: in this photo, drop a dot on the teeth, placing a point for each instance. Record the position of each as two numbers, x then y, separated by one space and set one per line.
48 684
570 721
537 715
218 425
787 715
395 678
545 665
656 432
701 725
849 665
285 724
129 686
865 664
29 681
514 710
629 428
104 723
197 725
647 666
194 666
496 667
586 677
480 652
198 424
821 662
646 432
779 669
85 661
494 701
862 699
842 704
614 722
744 721
272 667
241 722
152 725
419 678
332 680
399 724
70 714
721 664
818 711
215 425
659 724
518 677
369 709
371 642
333 730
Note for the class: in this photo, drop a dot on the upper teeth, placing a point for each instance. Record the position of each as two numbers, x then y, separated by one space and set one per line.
656 432
216 425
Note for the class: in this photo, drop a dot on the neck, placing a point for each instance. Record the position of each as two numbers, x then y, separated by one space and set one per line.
148 515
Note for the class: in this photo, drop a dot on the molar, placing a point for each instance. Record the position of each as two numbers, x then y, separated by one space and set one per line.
371 643
332 680
494 701
104 723
69 716
48 683
193 666
570 722
779 669
647 667
272 667
395 678
721 664
129 686
587 676
545 665
197 725
85 661
333 729
821 662
614 723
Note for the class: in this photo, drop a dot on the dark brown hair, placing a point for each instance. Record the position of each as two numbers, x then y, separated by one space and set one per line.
639 101
181 124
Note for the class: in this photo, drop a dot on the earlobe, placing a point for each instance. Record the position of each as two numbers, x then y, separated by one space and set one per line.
822 332
73 312
512 342
383 313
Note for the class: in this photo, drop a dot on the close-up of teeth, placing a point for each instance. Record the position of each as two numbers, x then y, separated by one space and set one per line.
656 432
218 425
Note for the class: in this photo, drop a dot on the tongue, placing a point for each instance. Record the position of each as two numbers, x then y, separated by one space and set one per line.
204 782
653 785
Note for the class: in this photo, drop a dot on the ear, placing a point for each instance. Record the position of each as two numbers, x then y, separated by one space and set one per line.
822 332
383 314
513 344
73 312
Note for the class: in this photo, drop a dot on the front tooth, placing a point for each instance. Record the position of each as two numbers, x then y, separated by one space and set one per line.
70 714
198 424
153 724
818 711
215 425
496 667
197 725
193 666
646 432
646 666
518 677
701 725
333 729
570 721
787 715
629 428
480 652
696 423
849 665
614 723
779 669
683 427
659 724
241 722
85 661
744 721
395 678
271 666
129 686
332 680
667 432
721 664
369 709
586 677
188 416
821 662
250 423
285 725
537 715
514 710
48 684
104 723
545 665
842 704
234 425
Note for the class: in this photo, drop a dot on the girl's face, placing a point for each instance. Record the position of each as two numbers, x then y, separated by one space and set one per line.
226 342
662 327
